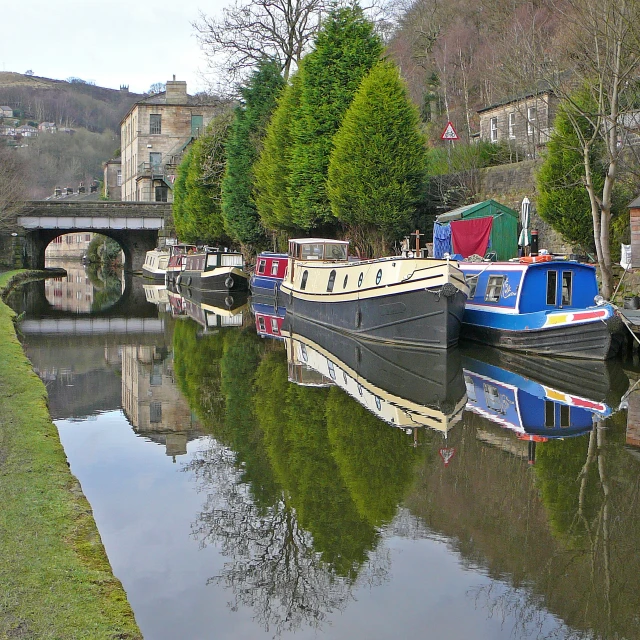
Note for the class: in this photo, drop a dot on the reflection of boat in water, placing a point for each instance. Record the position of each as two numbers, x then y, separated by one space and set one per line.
214 311
156 294
538 396
268 319
406 387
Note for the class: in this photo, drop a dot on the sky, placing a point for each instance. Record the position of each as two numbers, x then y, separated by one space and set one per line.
109 43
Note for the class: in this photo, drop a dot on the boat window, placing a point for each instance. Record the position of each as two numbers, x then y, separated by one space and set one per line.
549 414
332 279
494 289
332 370
274 325
360 279
261 265
379 276
552 281
336 252
567 282
565 416
212 260
378 403
471 388
472 281
261 323
312 251
274 268
303 282
344 284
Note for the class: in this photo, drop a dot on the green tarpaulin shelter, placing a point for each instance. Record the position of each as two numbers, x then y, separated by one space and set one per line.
504 232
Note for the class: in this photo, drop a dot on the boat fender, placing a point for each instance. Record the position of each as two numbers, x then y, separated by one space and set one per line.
449 290
541 258
228 282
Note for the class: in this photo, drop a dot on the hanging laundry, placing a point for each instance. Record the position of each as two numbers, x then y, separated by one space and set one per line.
441 240
471 237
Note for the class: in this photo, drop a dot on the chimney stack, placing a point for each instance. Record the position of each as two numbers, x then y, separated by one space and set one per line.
176 91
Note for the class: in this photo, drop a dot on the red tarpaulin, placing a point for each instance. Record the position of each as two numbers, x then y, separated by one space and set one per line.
471 236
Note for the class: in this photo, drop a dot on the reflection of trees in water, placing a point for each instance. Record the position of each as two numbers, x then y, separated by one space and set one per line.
107 285
272 567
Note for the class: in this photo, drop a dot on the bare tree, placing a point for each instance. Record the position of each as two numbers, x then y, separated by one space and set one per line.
252 29
13 184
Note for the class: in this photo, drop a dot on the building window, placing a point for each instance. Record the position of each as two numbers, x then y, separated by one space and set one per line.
155 412
512 125
162 193
119 178
493 132
155 124
531 120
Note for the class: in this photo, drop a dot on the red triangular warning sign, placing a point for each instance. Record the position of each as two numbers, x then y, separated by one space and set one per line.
449 133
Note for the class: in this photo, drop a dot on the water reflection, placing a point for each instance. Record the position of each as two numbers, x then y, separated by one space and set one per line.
309 482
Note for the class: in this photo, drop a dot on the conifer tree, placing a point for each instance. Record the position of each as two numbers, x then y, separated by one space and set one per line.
377 166
243 148
273 167
346 49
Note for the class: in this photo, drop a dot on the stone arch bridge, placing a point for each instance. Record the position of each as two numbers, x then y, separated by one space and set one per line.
134 225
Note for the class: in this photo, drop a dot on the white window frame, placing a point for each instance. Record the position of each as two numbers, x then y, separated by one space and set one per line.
532 113
512 125
493 129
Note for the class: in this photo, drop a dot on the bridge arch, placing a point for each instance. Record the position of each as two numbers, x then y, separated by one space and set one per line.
134 226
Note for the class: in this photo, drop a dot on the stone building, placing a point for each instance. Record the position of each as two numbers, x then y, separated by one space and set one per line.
112 179
154 135
524 123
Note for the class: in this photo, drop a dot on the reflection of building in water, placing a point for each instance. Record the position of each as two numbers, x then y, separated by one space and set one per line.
73 292
633 418
151 400
69 245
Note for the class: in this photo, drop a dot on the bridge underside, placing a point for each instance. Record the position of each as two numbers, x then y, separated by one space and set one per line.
134 242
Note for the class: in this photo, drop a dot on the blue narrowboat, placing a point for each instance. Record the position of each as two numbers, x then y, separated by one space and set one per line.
268 274
548 307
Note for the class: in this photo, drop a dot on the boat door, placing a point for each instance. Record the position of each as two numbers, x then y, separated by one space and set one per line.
559 291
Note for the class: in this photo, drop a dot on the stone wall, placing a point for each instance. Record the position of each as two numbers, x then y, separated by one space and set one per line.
509 184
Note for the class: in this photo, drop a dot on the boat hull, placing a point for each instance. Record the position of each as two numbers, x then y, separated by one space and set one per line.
421 318
265 287
221 279
594 340
157 275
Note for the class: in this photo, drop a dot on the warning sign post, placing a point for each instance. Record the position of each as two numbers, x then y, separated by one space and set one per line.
449 133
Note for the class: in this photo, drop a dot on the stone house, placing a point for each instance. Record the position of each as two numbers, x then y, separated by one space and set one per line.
27 131
48 127
112 180
524 123
6 112
154 135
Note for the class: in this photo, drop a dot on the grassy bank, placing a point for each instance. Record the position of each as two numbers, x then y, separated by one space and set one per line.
55 578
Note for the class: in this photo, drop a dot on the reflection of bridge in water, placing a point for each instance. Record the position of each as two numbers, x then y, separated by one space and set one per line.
92 326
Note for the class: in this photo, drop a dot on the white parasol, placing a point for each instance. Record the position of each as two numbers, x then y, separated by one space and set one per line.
525 237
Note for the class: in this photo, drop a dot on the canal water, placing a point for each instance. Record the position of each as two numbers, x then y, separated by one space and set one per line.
258 478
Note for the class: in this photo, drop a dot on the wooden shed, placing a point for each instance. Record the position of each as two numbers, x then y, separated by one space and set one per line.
504 229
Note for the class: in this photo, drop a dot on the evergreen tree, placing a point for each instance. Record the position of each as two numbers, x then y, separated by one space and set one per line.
377 166
346 49
196 197
243 148
273 167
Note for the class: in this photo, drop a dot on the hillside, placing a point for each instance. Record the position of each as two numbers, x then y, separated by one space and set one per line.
87 120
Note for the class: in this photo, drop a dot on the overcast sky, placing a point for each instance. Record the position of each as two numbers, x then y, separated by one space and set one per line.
110 43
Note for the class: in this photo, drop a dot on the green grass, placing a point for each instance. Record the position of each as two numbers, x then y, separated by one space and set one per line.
55 578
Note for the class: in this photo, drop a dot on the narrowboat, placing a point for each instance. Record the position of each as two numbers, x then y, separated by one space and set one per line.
406 387
407 301
177 259
268 274
217 310
155 264
214 270
539 405
268 319
547 307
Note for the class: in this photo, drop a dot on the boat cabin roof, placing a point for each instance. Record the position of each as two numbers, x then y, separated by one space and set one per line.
318 249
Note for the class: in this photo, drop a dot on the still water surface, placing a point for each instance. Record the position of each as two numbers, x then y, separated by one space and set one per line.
250 487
